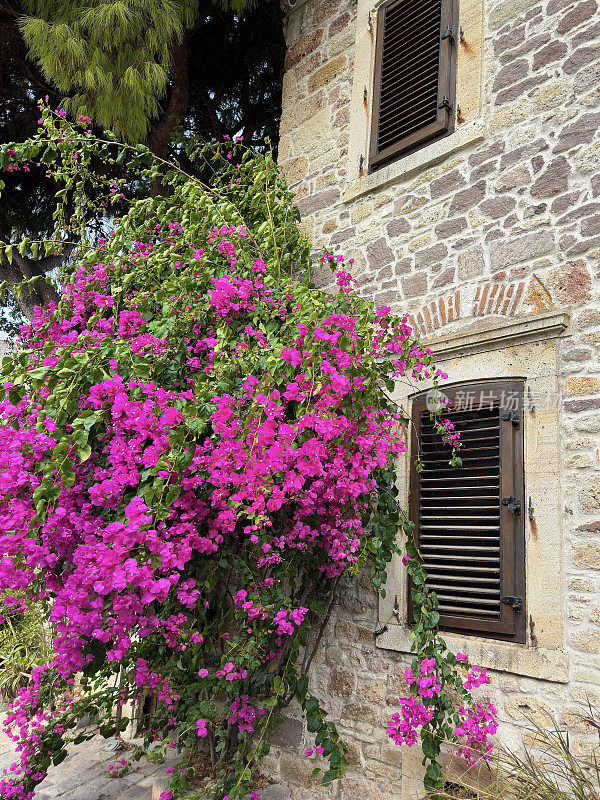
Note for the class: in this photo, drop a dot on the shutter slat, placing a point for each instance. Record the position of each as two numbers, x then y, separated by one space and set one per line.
428 82
410 15
460 541
408 71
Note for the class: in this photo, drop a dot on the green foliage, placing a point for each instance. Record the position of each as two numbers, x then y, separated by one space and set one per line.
243 190
111 59
25 642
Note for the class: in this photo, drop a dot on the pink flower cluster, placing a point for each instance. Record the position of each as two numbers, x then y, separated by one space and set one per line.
243 714
402 728
478 720
150 483
25 725
427 684
479 723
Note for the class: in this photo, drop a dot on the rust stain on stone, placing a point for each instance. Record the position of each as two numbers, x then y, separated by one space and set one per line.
534 530
533 637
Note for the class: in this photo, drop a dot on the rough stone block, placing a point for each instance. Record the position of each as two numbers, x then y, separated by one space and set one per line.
450 227
553 51
582 131
506 252
492 151
379 254
553 180
571 282
302 112
590 226
580 385
579 14
499 206
507 11
447 277
296 169
431 255
588 425
587 640
342 682
295 768
397 227
514 71
327 73
580 58
509 40
302 48
317 202
467 198
288 733
515 177
338 25
448 183
471 263
590 497
342 236
578 406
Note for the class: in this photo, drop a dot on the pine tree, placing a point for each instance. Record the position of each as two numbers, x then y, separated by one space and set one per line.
156 71
112 59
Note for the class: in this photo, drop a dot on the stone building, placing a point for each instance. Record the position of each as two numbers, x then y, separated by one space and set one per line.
484 225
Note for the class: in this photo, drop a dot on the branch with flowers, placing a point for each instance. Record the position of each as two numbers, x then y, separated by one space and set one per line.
195 444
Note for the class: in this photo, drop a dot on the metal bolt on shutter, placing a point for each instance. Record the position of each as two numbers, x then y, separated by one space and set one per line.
414 75
470 535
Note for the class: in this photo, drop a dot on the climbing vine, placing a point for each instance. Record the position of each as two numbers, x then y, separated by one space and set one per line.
195 444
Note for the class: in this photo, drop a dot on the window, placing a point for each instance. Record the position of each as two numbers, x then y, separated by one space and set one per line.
469 520
415 75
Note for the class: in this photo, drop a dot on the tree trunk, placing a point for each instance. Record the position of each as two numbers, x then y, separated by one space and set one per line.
178 101
21 269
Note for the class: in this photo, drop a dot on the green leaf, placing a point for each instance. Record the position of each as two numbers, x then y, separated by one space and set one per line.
313 723
430 747
59 757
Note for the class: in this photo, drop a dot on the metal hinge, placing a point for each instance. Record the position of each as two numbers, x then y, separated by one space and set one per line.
511 417
514 505
514 602
448 34
445 103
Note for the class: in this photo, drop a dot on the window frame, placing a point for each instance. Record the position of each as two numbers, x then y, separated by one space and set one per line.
512 623
445 118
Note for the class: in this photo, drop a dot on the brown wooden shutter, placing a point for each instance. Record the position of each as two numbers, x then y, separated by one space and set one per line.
415 75
469 526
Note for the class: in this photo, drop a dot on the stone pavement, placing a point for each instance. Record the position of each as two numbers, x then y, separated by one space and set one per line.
83 774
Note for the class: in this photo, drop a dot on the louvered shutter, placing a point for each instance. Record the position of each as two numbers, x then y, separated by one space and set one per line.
415 67
469 526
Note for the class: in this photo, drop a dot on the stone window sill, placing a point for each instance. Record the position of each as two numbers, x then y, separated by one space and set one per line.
464 136
543 663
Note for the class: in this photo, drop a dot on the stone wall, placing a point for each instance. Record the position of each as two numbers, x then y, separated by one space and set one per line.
491 227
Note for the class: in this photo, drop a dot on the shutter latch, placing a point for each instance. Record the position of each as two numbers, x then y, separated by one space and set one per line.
511 417
514 505
445 103
514 602
448 34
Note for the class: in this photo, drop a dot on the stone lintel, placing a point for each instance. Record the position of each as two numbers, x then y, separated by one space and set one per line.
500 334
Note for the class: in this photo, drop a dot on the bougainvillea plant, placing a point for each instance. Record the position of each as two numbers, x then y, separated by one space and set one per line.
195 445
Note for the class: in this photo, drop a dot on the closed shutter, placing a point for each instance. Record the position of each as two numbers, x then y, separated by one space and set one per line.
415 68
469 519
